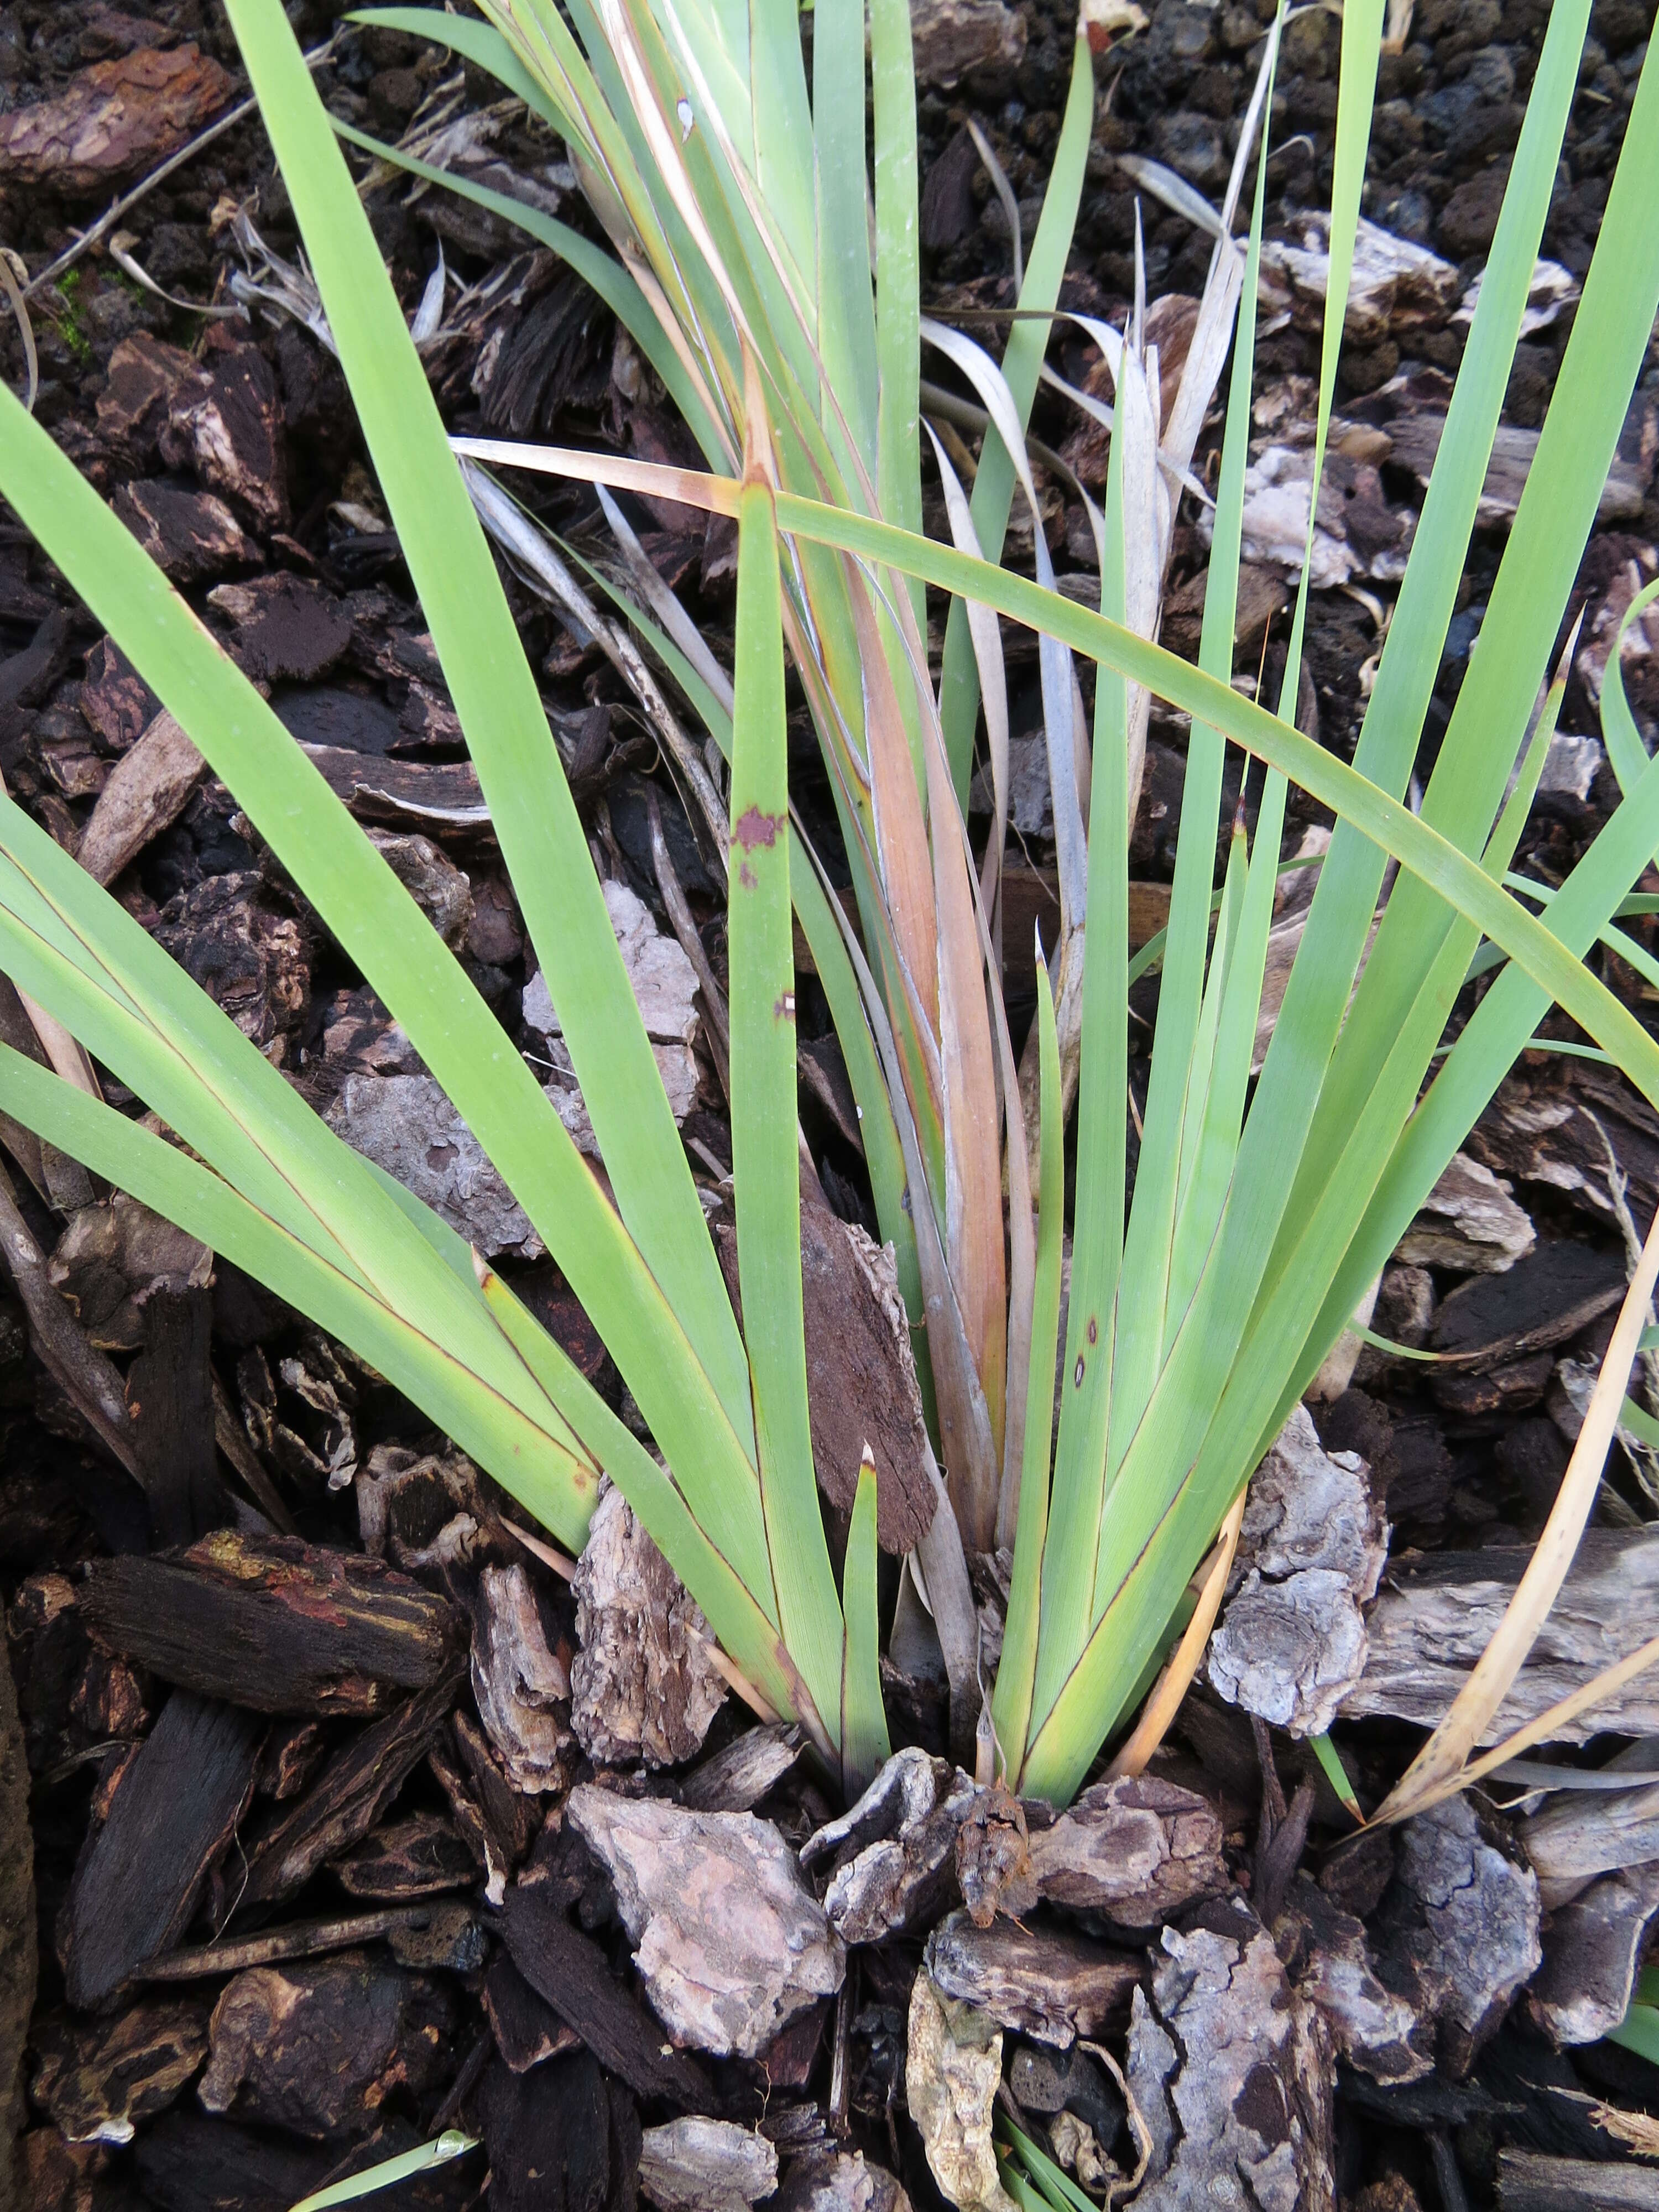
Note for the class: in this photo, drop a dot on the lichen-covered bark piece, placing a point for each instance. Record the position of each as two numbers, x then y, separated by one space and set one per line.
1379 2029
1231 2071
406 1125
1583 1833
643 1685
1291 1644
1437 1614
895 1851
697 2164
952 2071
1136 1850
1464 1912
1468 1222
731 1945
1592 1948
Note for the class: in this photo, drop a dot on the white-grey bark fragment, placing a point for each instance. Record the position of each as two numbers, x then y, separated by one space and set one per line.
1292 1642
730 1943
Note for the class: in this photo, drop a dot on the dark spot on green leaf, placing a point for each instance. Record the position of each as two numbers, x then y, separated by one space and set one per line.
753 828
1094 1330
1077 1373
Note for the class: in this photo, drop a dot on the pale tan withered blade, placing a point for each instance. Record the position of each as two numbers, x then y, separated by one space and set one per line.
1172 1684
1439 1772
1554 1719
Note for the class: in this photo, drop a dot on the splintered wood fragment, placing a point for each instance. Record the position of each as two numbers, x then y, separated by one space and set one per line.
347 1797
894 1852
568 1971
862 1393
522 1685
19 1951
413 1857
1529 2182
175 1809
149 788
527 2028
736 1779
562 2136
170 1400
1436 1615
302 1939
644 1685
275 1624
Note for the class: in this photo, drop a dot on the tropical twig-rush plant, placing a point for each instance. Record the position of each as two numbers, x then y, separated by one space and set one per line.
776 295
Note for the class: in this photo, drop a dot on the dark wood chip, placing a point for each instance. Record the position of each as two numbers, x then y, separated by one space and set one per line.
173 1810
347 1797
569 1970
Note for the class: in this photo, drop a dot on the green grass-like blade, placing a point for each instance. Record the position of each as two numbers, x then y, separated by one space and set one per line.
415 976
1638 2031
899 266
864 1739
1022 360
1330 1760
1017 1670
1395 716
389 2172
535 1457
744 1629
600 270
765 1157
494 694
1097 1244
847 313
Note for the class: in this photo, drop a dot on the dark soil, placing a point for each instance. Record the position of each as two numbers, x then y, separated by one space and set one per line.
379 1786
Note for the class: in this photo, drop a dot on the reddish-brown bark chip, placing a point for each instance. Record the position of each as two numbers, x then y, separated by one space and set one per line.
113 120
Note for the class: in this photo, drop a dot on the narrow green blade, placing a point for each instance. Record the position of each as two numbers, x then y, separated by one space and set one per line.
1022 360
765 1156
494 694
864 1741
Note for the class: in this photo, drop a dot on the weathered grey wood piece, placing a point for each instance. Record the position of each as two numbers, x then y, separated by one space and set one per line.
1434 1618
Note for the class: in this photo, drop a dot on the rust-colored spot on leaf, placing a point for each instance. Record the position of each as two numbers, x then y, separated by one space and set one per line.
753 828
747 878
1077 1373
783 1007
1094 1330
